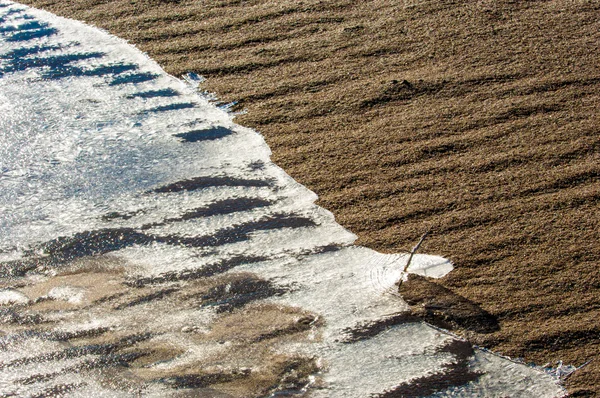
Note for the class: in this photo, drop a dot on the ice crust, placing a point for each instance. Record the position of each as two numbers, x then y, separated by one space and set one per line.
12 296
78 148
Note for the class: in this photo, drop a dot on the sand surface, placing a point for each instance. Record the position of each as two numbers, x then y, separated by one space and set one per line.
477 120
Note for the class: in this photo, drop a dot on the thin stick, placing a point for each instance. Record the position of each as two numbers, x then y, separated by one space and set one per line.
576 369
412 253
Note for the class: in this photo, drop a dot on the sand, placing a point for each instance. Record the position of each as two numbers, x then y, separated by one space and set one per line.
477 120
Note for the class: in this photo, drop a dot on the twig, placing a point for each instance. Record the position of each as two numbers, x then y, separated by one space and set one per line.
412 253
565 377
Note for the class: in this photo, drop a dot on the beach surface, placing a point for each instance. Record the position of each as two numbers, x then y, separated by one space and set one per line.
475 120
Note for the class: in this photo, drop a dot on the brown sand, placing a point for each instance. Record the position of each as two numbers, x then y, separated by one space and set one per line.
478 119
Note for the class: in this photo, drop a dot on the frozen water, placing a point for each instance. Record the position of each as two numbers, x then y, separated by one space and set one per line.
12 296
66 293
138 222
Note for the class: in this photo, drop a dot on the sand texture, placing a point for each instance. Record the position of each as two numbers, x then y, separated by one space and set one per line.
477 120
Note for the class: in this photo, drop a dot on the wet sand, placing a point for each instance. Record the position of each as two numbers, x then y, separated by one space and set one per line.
475 119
